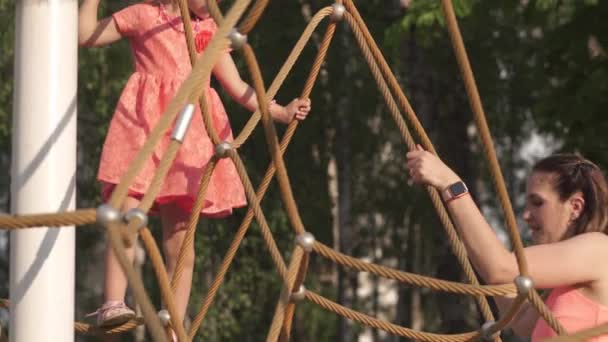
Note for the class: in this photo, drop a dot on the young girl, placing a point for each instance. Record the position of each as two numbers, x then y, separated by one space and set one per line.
156 33
567 212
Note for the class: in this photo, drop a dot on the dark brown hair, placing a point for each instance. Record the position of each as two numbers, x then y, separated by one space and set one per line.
574 173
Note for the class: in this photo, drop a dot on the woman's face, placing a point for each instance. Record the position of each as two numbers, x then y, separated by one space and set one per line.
547 216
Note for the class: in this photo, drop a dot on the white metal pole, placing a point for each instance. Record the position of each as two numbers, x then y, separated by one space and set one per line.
42 260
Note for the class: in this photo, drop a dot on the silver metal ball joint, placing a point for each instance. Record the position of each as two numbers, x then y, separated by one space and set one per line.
524 285
106 215
486 331
306 240
237 39
221 150
297 296
136 213
338 12
165 317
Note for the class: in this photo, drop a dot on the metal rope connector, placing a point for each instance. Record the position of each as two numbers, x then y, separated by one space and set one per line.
106 215
237 39
138 214
488 331
221 150
297 296
338 12
165 317
524 285
183 122
306 240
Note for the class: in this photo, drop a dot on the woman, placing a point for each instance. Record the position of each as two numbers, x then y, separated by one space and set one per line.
567 212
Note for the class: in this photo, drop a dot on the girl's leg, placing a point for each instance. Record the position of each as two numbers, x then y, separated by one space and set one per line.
175 223
115 281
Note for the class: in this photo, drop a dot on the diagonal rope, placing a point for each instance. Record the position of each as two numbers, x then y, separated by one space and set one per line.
285 297
488 145
457 246
240 234
187 92
388 327
411 278
57 220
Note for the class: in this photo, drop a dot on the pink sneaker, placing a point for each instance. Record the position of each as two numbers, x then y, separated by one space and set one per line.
113 313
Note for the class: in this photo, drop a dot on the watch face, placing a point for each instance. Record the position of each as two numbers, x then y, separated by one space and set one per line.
458 189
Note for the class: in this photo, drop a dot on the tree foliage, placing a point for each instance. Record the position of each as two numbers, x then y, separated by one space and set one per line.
541 68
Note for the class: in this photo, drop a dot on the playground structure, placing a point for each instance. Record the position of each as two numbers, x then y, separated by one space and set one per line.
39 246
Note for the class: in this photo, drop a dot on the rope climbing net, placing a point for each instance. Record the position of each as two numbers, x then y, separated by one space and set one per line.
123 228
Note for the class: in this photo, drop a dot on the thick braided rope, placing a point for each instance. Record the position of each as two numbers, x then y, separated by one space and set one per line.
488 145
537 301
254 15
166 280
89 329
192 85
139 292
388 74
248 22
163 280
285 297
259 215
266 234
411 278
273 142
484 131
195 81
282 74
388 327
57 220
185 13
458 248
215 12
291 307
231 252
202 99
193 222
507 318
153 190
455 243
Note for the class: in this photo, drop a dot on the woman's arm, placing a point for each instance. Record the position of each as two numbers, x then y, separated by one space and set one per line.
581 255
93 32
227 74
573 261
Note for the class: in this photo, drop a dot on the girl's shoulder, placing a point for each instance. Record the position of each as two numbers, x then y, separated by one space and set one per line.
136 18
143 7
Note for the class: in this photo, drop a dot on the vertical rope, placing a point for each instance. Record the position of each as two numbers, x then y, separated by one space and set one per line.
457 246
163 280
279 313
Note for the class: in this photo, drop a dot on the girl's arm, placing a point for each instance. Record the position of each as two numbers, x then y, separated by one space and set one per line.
93 32
227 74
581 255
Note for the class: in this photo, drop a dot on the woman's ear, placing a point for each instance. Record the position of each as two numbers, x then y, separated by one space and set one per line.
577 203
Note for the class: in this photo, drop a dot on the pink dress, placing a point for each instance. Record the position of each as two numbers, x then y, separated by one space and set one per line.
574 311
161 60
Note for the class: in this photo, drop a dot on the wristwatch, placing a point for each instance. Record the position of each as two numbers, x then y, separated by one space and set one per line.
454 191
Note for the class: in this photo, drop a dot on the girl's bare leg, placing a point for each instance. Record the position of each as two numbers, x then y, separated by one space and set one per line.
175 222
115 281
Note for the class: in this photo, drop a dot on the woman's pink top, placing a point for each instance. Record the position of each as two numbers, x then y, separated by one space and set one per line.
574 311
161 65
